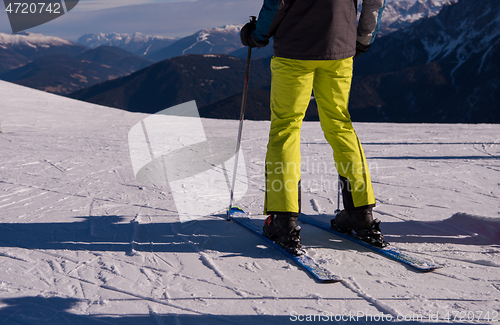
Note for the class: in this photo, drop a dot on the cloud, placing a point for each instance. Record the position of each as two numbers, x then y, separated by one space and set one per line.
174 19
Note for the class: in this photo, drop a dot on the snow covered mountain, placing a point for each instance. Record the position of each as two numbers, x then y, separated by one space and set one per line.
26 40
459 32
136 43
399 14
221 40
82 242
443 68
18 49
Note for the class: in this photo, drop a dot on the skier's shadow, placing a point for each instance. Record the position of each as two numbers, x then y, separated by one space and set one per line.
57 311
116 233
461 228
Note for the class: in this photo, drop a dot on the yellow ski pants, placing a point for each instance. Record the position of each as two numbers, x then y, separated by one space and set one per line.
291 88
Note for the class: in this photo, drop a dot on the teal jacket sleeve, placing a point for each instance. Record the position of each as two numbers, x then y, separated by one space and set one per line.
369 22
265 19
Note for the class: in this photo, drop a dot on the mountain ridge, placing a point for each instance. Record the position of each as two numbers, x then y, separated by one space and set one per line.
19 49
204 78
219 40
63 74
136 43
464 41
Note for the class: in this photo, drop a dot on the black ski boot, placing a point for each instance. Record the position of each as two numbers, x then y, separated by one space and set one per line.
363 225
283 230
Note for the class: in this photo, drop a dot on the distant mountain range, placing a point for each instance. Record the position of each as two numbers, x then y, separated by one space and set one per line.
22 50
59 66
220 40
116 57
136 43
60 74
225 40
17 50
443 67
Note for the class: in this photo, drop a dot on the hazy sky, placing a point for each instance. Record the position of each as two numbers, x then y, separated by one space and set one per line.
172 18
89 5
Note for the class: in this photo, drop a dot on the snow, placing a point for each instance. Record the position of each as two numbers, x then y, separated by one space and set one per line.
467 40
398 14
147 50
202 37
110 37
31 39
484 57
220 67
206 35
81 241
231 29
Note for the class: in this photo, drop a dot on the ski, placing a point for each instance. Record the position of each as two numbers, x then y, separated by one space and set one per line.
389 251
307 263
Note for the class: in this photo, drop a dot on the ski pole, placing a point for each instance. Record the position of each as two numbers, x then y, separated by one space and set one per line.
242 115
338 198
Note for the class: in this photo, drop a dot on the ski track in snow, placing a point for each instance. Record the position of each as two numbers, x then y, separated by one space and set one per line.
81 241
384 308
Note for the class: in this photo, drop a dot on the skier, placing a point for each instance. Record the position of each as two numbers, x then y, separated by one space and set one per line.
314 46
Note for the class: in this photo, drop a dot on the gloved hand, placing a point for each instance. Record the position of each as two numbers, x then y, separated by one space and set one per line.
246 35
360 49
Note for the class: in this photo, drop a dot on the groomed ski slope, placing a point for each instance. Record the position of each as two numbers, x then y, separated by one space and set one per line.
81 242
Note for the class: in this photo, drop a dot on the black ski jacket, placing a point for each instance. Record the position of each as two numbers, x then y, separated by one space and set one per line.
318 29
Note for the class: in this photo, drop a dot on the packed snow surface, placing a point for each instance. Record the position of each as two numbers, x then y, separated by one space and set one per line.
82 242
